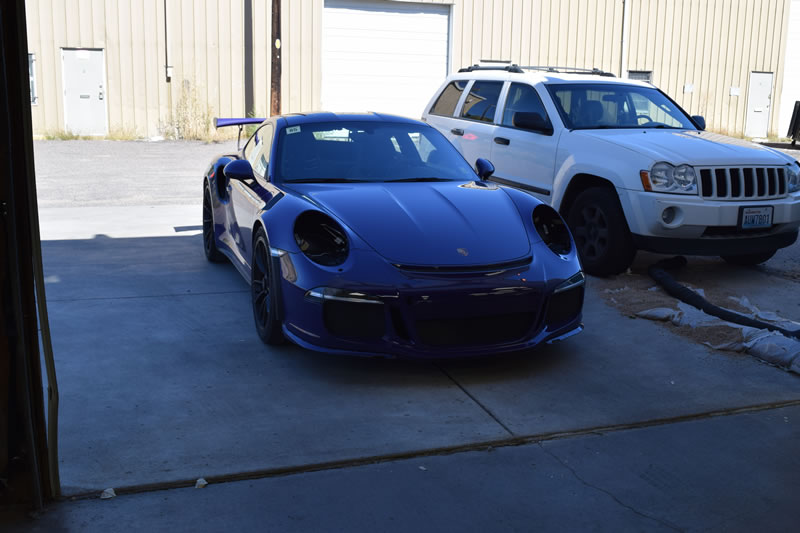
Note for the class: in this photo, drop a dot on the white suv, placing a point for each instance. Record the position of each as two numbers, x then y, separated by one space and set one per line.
623 163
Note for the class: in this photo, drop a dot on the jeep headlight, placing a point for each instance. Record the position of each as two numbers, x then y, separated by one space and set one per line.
793 177
664 177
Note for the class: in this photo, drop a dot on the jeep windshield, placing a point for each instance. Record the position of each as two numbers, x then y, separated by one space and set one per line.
590 106
368 151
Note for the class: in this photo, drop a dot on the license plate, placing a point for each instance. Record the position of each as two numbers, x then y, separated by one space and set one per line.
755 217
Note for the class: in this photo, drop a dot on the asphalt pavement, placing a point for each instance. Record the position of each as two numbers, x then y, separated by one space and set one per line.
163 380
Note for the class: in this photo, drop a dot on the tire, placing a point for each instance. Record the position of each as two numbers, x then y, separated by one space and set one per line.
601 233
749 259
263 294
209 241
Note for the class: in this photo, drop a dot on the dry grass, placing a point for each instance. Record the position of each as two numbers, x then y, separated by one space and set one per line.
191 119
122 134
64 135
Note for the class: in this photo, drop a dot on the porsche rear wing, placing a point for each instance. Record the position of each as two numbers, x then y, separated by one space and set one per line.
241 122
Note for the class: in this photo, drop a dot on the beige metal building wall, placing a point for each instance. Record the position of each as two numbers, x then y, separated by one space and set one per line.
712 46
573 33
205 43
529 32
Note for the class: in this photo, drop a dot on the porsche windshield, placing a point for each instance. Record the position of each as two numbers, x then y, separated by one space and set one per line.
587 106
367 151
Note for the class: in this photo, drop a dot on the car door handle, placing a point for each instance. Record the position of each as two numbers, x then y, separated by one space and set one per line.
502 140
457 131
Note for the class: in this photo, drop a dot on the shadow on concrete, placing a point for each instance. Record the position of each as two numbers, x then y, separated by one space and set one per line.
163 377
164 380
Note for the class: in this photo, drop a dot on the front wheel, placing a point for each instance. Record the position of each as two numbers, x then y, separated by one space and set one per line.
209 241
749 259
264 298
601 234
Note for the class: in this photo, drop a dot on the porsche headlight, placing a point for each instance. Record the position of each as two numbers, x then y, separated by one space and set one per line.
321 238
793 177
552 229
664 177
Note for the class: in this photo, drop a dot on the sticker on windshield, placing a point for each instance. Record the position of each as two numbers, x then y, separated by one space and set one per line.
293 129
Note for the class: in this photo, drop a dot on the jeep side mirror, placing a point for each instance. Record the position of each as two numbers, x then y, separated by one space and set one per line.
484 167
532 121
238 169
699 121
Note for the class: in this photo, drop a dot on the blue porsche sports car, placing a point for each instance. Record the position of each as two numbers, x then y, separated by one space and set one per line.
369 234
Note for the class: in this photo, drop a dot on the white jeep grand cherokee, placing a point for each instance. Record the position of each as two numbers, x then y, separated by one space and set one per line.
623 163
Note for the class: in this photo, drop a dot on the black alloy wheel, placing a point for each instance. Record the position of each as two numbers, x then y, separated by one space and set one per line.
601 234
263 295
209 243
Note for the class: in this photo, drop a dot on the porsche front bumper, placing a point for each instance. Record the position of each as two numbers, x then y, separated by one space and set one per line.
393 311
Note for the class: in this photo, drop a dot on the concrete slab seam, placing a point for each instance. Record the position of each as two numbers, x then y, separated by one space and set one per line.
145 296
474 399
431 452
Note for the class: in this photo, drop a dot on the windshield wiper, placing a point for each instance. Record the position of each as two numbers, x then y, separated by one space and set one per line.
323 180
428 178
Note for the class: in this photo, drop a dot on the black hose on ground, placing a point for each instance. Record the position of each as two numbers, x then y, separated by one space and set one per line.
658 271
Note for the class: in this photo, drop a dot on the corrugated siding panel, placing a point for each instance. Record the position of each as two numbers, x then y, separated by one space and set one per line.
711 44
576 33
262 53
205 46
790 90
301 30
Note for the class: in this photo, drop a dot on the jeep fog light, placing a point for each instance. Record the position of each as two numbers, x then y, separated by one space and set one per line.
672 216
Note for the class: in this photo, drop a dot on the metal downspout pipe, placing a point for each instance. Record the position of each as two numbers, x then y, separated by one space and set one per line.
626 22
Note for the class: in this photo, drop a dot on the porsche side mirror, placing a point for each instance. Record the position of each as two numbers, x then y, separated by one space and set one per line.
484 167
700 122
532 122
238 169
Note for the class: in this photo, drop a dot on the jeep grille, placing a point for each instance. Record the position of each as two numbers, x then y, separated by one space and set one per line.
737 183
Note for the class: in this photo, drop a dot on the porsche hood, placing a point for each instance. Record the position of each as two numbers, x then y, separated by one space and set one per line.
439 223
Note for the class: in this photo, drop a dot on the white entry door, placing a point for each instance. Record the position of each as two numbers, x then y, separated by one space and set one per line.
759 100
383 56
84 91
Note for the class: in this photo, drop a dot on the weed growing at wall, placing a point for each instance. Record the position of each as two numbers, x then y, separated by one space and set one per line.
191 118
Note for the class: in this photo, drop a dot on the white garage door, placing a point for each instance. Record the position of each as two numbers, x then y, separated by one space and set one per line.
382 56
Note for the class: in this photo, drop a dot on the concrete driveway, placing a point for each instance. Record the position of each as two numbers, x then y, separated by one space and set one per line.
163 379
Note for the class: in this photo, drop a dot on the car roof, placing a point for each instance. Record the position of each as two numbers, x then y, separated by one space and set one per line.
536 76
295 119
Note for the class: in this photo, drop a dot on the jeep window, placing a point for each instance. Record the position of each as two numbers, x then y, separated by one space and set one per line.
446 103
522 98
481 102
610 106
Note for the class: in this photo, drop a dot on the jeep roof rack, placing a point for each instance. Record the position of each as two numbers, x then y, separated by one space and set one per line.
506 65
570 70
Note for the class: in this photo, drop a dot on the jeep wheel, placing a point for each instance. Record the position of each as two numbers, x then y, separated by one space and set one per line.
600 231
749 259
